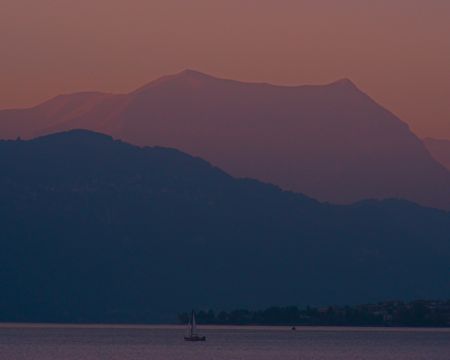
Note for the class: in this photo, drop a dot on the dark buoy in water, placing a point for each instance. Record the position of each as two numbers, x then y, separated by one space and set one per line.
293 328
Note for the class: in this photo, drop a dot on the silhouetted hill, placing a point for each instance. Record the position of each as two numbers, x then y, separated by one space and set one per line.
439 149
94 229
331 142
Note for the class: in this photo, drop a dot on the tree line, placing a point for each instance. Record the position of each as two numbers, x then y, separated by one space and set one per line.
392 313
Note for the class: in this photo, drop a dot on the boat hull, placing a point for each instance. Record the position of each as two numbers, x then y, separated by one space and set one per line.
195 338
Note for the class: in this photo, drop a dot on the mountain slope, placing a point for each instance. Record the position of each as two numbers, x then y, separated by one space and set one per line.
98 230
331 142
439 149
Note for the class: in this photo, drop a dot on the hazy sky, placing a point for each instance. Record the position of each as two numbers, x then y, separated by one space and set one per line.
398 51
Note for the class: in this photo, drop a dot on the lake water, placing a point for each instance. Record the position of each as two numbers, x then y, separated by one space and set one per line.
43 342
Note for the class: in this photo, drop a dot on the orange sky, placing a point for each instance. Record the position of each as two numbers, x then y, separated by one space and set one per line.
398 51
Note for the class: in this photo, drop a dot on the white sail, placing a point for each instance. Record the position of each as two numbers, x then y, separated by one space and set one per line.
193 329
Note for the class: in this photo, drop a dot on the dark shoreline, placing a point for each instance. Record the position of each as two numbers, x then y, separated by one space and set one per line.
418 313
388 314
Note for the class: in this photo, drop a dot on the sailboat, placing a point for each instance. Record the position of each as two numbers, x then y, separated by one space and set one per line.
192 328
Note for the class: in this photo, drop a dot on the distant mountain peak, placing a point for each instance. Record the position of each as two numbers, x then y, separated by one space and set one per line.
187 77
193 73
344 83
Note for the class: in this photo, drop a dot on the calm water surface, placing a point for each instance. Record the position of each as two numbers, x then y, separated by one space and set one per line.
42 342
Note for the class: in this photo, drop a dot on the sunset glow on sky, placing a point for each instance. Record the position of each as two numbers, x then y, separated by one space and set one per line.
397 51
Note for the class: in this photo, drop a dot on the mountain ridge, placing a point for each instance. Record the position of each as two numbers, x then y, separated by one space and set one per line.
332 142
98 230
